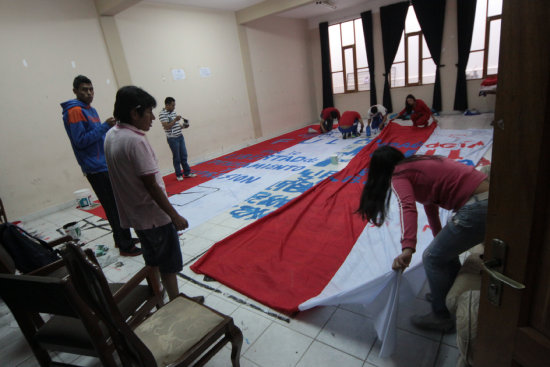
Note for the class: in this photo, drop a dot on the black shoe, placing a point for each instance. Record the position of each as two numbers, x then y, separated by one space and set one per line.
134 251
432 321
345 136
133 242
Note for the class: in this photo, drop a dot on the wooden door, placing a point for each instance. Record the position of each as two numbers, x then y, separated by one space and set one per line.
518 332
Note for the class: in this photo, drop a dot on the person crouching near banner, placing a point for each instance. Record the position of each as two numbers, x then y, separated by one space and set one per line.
328 117
420 113
434 182
138 186
348 123
376 116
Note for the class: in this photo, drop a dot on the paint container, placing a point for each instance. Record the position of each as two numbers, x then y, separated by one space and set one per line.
83 198
334 159
73 230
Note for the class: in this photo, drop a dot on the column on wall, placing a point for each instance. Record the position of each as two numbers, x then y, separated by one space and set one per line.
366 18
392 19
431 16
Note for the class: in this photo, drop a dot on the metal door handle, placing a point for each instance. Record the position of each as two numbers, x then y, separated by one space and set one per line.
487 265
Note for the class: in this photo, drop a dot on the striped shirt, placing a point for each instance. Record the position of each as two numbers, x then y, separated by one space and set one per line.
165 116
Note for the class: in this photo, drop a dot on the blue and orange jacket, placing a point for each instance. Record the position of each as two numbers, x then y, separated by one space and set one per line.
87 134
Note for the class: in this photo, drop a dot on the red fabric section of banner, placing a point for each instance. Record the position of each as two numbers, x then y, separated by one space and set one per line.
290 255
213 168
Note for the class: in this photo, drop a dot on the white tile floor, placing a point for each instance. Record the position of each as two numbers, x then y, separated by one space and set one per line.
325 336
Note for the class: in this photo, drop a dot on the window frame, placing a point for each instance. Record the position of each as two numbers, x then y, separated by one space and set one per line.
405 38
485 49
356 69
420 59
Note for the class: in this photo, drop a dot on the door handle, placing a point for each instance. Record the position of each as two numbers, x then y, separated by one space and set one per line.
495 268
488 265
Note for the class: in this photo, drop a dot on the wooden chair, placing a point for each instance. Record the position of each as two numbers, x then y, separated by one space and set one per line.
73 327
181 333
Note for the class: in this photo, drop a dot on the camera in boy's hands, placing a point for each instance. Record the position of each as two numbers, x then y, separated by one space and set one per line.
185 122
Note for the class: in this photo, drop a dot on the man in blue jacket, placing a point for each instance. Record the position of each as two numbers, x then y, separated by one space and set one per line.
87 134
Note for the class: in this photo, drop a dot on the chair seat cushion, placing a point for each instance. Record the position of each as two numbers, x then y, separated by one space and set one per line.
175 328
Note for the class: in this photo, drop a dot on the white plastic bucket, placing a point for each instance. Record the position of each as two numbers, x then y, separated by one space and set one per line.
83 198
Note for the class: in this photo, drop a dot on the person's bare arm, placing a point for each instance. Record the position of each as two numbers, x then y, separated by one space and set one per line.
161 199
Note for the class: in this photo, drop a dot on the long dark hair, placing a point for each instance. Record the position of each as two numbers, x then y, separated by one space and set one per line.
375 197
408 107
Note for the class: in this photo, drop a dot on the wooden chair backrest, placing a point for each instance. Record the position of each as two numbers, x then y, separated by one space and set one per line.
92 286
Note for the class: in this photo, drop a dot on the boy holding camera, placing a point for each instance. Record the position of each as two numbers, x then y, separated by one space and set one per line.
174 136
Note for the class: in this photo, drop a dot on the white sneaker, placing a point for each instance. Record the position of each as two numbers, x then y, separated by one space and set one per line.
191 175
179 178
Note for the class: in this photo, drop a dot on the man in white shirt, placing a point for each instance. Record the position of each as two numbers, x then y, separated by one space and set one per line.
378 115
174 136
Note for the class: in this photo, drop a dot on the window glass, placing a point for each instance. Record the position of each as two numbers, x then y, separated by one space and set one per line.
428 71
494 47
360 49
348 37
474 69
363 79
425 50
411 22
494 8
400 55
478 35
350 68
413 54
398 75
335 48
338 82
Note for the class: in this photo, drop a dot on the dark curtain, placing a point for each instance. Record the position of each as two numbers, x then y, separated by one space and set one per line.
325 61
366 18
465 14
392 18
431 16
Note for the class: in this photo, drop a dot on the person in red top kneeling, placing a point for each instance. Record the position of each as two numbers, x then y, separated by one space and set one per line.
328 117
347 124
418 110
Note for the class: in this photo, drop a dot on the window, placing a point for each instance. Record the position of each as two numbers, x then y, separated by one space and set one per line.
413 64
348 57
483 60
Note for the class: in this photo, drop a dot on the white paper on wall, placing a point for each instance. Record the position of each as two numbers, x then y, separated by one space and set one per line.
205 72
178 74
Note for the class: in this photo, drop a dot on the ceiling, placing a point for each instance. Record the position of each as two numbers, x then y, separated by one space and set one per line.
303 12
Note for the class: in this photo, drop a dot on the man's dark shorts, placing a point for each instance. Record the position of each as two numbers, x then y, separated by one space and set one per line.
161 247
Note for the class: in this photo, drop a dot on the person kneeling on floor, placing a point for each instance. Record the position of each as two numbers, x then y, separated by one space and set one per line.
329 116
348 123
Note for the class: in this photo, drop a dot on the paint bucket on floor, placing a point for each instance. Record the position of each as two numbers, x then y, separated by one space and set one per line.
83 198
73 230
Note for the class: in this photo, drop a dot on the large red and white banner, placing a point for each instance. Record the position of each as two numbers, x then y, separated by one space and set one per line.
315 250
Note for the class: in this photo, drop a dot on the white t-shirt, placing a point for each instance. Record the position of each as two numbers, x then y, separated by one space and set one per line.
381 110
129 156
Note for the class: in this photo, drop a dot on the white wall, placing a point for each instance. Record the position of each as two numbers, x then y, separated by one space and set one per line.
37 165
159 38
449 57
283 77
